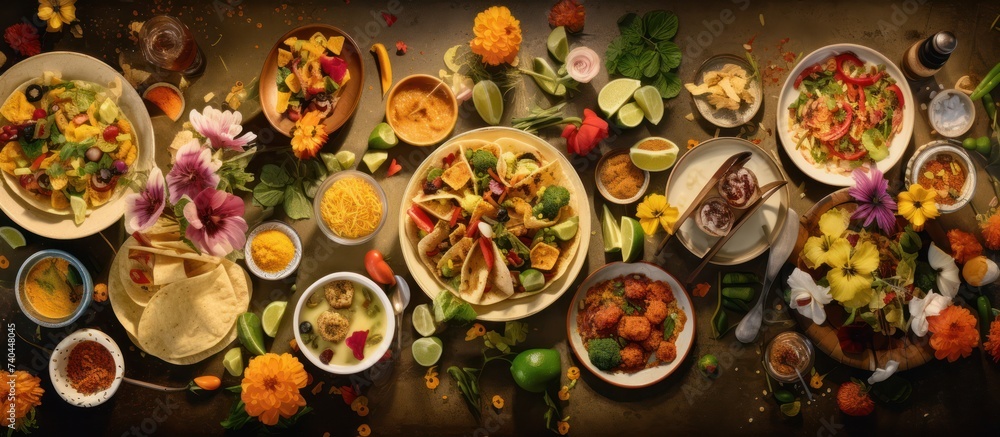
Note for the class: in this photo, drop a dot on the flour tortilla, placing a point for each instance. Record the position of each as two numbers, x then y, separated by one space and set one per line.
437 204
546 175
169 266
430 242
481 286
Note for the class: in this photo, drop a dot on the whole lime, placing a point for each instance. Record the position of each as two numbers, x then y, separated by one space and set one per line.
534 368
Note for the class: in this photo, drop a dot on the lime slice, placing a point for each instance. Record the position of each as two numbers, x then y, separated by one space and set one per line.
271 317
629 116
427 350
79 207
346 158
250 333
374 160
616 94
791 409
649 99
423 320
450 58
566 230
632 240
654 160
383 137
13 237
488 100
233 361
558 44
612 233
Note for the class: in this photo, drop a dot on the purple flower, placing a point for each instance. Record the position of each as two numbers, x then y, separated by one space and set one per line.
874 202
193 171
215 222
221 128
144 208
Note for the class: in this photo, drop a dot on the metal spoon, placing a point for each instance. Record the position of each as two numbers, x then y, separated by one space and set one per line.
747 329
400 299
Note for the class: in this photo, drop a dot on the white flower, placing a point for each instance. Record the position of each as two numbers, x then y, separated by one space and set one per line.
807 297
884 374
583 64
944 264
921 309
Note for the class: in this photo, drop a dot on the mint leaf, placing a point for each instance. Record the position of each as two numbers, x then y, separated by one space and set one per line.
274 176
629 66
668 84
625 21
660 25
634 33
670 55
267 196
650 62
295 203
613 54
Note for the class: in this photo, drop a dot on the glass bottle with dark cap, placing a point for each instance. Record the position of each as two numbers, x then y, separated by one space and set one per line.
926 57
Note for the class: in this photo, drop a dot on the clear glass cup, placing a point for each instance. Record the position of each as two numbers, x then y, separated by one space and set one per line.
167 43
787 352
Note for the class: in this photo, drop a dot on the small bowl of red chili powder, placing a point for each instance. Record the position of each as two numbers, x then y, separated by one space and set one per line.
946 169
86 368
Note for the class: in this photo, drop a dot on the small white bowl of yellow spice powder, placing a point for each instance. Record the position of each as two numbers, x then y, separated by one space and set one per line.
350 207
273 250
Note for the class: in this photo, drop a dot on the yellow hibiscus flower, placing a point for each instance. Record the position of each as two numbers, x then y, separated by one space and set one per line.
655 211
56 13
851 274
832 225
917 205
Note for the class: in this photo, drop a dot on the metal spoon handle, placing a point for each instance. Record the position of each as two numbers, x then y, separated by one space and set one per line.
747 329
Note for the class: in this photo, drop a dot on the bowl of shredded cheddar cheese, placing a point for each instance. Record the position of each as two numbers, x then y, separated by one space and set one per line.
351 207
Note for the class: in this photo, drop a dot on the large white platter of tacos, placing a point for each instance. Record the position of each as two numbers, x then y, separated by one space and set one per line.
495 216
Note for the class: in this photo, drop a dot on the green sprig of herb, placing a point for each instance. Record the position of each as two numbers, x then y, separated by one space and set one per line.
645 51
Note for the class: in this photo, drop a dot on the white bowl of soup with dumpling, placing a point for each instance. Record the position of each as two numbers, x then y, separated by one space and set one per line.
344 323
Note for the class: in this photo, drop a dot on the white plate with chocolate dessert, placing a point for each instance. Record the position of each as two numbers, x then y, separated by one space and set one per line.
693 171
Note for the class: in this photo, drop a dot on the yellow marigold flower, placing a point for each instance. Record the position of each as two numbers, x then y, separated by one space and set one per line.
309 135
851 273
271 386
56 13
498 36
655 211
917 205
27 395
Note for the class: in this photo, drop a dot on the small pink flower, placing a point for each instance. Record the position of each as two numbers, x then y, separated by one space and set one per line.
583 64
193 171
144 208
23 37
221 128
215 222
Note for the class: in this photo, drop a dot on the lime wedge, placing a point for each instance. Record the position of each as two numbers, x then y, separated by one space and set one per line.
488 100
374 160
632 240
649 99
250 333
13 237
383 137
629 116
654 160
558 44
566 230
612 233
423 320
271 317
549 80
791 409
427 350
616 94
233 361
346 159
79 207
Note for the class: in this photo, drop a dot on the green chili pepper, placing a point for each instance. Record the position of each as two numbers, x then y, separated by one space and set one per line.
742 293
668 327
784 396
720 321
739 278
735 305
991 108
985 313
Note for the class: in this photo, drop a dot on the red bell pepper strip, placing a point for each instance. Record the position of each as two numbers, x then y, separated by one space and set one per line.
455 215
487 246
38 161
447 160
899 94
861 99
806 73
473 228
514 260
420 219
863 80
839 131
845 156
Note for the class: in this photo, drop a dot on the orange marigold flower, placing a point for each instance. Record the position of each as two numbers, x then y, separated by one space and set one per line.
991 231
498 36
568 13
27 395
573 373
964 246
271 386
954 333
309 135
431 378
992 344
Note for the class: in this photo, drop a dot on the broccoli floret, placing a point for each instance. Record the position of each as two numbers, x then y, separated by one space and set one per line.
483 161
551 201
604 353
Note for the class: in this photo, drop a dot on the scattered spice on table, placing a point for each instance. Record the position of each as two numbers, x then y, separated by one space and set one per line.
944 176
621 177
272 250
91 368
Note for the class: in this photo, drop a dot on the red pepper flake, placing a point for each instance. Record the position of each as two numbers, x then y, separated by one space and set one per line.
701 290
389 18
789 57
357 343
393 169
755 141
400 47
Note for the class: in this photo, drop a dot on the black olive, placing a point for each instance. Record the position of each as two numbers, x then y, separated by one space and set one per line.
27 131
502 215
34 93
430 188
305 327
43 181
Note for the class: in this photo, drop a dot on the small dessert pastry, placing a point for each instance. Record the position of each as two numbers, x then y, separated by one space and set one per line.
739 187
714 217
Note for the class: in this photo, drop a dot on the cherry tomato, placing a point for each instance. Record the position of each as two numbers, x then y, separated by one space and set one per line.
378 269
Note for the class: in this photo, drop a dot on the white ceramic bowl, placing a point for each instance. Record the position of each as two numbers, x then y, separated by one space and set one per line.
933 149
604 190
370 359
60 359
290 268
967 108
727 118
318 200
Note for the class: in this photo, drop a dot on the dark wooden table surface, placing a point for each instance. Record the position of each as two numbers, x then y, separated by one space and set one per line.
236 36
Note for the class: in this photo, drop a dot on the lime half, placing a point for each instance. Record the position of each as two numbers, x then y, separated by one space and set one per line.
271 317
654 160
233 361
13 237
383 137
612 233
649 99
632 240
427 350
250 333
616 94
346 159
488 101
558 44
423 320
629 116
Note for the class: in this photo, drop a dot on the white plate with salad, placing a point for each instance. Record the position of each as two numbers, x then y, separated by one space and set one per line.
73 133
844 106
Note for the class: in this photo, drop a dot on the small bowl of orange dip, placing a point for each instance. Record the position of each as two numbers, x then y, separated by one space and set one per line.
421 109
53 288
945 168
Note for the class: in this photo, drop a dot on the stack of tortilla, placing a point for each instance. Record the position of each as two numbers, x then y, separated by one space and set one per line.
176 304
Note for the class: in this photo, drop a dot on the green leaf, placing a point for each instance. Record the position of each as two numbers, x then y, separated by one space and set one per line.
629 66
274 176
650 63
670 55
626 20
634 33
720 323
515 332
296 205
668 327
267 196
668 84
613 54
660 25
